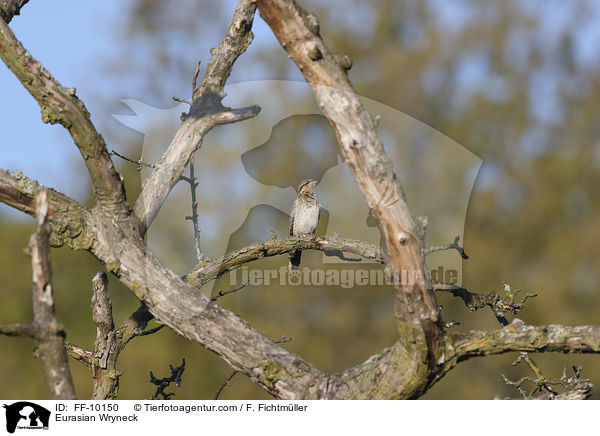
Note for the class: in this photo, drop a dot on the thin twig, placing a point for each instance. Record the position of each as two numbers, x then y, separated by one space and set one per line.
194 87
163 383
182 100
138 162
222 293
195 79
283 340
82 355
151 331
194 217
575 386
24 330
499 305
226 382
452 246
452 323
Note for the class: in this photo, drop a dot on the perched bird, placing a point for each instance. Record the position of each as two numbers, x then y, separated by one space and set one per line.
304 216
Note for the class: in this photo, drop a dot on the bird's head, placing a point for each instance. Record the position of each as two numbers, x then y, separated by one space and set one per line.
307 187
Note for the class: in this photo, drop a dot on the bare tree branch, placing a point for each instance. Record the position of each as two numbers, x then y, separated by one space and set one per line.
583 391
500 305
151 331
518 336
49 334
139 162
205 113
298 33
251 353
237 40
194 216
222 293
82 355
69 221
452 246
21 330
576 387
60 105
163 383
101 306
106 376
110 342
332 246
10 8
226 382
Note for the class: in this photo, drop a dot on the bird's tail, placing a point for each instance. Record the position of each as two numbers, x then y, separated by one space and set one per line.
295 260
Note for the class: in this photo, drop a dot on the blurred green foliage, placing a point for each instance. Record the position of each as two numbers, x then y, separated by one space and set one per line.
511 81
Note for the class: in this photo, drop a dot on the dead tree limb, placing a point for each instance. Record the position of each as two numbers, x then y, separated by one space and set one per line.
205 113
163 383
110 342
49 334
10 8
330 245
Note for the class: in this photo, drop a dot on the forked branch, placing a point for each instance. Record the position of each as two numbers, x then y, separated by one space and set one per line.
205 113
110 342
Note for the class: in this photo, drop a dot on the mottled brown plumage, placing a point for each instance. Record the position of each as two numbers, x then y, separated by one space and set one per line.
304 217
